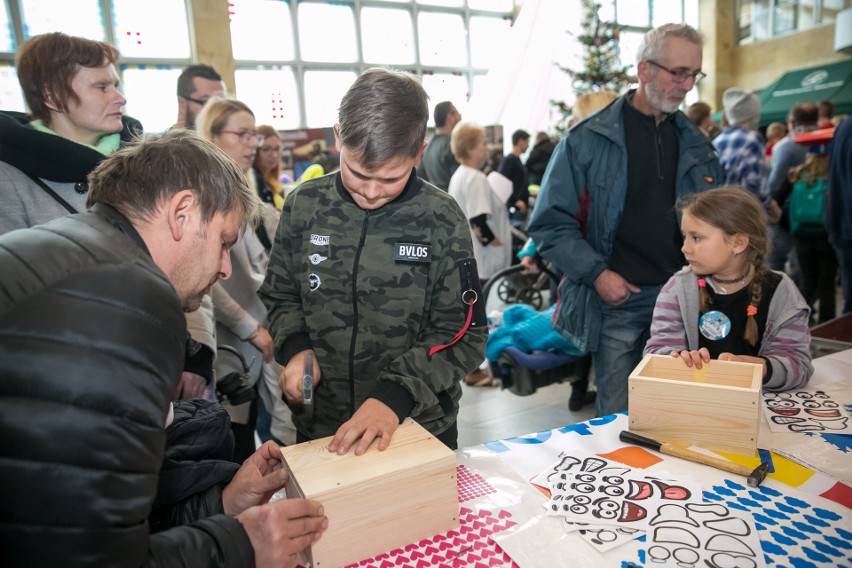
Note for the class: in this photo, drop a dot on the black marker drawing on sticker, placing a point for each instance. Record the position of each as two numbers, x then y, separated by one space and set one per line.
684 535
722 560
805 411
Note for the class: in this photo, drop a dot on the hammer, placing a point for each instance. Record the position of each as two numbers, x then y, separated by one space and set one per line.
754 477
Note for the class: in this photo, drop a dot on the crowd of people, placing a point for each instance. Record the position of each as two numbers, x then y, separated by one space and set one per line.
162 300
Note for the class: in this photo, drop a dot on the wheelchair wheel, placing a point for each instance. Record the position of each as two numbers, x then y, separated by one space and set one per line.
514 287
505 291
530 296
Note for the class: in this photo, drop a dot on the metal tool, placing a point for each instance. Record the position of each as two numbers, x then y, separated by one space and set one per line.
754 477
308 386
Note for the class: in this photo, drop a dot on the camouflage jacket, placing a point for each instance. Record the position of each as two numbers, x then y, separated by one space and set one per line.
371 292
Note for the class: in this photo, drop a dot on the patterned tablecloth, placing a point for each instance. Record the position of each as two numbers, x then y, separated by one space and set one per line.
801 511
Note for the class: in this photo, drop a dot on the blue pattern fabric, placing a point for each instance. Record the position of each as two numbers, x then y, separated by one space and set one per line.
742 152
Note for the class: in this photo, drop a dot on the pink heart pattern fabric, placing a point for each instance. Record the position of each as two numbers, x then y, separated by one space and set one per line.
467 547
471 485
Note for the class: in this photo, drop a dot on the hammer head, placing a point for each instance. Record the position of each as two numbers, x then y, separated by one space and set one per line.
758 475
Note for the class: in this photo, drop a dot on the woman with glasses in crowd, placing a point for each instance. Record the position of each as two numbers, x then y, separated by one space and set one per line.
240 315
266 172
267 167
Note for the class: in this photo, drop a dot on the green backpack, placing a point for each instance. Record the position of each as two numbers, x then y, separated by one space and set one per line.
807 208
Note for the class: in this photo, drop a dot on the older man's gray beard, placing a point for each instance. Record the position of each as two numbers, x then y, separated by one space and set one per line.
658 101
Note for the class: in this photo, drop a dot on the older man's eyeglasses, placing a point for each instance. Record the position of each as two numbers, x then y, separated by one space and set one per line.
246 136
681 74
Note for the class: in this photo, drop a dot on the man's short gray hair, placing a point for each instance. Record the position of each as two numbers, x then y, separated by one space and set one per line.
654 43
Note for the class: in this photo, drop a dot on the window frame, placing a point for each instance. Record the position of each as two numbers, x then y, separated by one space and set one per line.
771 23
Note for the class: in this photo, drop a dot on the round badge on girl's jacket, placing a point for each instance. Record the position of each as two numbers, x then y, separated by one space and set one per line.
714 325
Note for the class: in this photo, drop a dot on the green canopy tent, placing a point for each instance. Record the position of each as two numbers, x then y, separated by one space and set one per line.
832 82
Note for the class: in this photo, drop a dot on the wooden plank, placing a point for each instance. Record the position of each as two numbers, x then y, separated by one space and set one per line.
380 500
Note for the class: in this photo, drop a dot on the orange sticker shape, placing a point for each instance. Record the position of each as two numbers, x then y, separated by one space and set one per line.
634 456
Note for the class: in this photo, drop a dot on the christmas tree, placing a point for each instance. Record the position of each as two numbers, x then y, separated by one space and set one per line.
602 71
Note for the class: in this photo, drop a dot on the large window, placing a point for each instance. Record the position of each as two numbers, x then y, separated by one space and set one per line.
293 59
450 43
764 19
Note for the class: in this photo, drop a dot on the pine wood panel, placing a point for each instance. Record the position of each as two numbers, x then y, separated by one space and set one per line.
380 500
717 407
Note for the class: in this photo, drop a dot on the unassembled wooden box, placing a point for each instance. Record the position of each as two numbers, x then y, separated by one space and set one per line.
716 407
380 500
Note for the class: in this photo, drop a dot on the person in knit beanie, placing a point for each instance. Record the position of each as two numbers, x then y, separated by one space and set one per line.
741 148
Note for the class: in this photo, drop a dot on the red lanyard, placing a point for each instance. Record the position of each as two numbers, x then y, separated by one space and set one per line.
462 331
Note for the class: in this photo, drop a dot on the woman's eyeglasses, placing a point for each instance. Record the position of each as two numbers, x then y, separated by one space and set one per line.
246 136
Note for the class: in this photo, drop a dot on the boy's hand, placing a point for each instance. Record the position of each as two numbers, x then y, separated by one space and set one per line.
290 379
372 420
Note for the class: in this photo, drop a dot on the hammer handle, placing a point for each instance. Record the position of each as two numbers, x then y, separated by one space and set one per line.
687 454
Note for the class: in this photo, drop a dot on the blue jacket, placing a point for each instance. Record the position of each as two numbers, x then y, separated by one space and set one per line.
580 205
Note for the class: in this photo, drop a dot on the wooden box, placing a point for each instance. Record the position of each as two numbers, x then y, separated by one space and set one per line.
716 407
380 500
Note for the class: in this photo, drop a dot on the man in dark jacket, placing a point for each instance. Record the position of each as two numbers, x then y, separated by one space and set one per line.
437 164
512 167
71 87
93 342
539 157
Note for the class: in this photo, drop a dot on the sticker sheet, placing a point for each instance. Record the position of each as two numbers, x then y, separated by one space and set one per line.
603 538
616 500
685 535
578 461
805 411
795 529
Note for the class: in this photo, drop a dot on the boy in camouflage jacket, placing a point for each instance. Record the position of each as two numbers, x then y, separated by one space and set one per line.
372 276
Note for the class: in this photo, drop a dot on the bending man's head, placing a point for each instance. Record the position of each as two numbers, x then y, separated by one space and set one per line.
188 201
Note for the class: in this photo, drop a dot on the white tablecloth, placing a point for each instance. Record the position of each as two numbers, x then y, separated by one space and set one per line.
538 540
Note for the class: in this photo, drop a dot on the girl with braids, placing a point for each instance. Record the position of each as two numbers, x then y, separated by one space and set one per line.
727 304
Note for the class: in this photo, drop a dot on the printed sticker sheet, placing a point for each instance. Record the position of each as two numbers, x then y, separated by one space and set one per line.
805 411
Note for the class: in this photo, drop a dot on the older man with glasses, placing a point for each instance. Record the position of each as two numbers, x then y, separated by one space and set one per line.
605 216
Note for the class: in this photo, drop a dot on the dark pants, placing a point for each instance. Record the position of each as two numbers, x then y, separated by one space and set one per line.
244 444
625 329
844 258
818 269
782 251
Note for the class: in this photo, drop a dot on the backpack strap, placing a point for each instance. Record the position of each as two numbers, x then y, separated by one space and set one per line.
53 194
